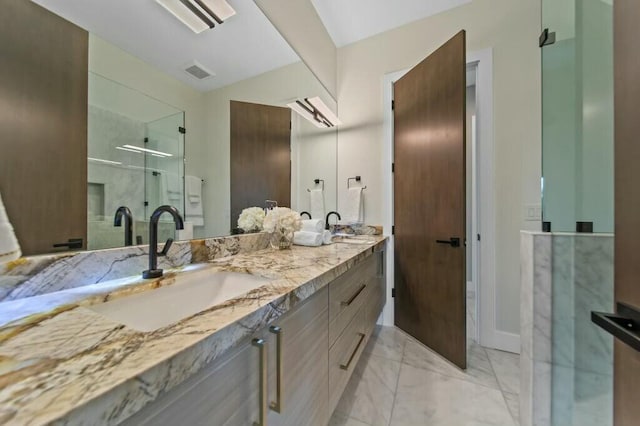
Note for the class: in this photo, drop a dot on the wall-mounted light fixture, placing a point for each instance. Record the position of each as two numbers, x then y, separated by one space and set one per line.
199 15
314 110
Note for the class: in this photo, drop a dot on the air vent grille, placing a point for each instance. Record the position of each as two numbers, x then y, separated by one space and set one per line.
198 71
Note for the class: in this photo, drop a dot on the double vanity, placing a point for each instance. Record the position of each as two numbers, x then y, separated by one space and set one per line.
265 337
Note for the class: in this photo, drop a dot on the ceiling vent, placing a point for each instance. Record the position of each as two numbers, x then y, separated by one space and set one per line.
198 70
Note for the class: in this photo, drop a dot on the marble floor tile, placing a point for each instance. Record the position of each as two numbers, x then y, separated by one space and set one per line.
339 419
506 366
513 404
427 398
369 394
478 370
387 342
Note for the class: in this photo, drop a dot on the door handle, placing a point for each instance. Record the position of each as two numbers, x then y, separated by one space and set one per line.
625 325
72 243
277 405
262 411
453 242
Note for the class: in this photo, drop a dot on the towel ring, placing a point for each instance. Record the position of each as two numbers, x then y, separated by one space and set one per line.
317 182
357 179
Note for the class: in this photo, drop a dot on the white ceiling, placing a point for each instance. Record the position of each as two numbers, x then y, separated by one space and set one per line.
244 46
353 20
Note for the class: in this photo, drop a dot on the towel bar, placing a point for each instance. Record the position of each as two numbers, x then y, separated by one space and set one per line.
357 179
317 182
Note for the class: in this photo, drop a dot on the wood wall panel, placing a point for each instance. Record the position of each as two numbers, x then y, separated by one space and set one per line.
627 200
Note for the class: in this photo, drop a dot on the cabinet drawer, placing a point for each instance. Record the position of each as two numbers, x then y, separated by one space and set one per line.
344 355
347 294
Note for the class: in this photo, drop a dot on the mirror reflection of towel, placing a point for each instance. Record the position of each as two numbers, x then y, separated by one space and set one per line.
193 200
354 211
316 197
9 247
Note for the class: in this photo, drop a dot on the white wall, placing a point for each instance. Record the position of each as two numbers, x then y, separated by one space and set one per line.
511 29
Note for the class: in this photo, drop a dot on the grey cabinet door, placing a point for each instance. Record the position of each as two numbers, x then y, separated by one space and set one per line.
227 394
304 395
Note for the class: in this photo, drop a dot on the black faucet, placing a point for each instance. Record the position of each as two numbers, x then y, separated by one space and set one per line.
153 271
128 223
307 213
326 226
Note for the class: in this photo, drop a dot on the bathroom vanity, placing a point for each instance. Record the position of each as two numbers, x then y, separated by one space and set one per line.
280 354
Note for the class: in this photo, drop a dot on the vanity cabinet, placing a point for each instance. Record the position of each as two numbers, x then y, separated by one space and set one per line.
289 374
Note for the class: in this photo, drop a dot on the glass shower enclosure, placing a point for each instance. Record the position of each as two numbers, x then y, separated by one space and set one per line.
577 187
135 159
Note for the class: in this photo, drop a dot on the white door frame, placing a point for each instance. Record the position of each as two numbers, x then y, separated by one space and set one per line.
488 334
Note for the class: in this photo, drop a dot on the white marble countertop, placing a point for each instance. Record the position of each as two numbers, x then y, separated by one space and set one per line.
61 363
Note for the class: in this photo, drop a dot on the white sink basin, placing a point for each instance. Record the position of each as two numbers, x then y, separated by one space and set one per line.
192 293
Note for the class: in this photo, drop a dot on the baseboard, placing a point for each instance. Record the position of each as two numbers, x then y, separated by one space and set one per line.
505 341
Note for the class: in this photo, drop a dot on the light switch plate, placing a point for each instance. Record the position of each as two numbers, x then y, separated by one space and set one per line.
532 212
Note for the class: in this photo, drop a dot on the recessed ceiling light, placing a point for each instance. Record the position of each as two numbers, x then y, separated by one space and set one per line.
128 149
100 160
150 151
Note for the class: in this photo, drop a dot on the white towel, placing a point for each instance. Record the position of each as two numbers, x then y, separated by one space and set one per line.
327 237
171 188
193 185
313 225
316 198
309 239
354 211
9 247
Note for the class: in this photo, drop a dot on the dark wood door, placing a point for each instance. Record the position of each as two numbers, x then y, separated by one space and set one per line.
627 201
260 156
43 125
429 201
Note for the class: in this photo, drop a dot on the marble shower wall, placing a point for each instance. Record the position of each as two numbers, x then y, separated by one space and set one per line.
567 361
35 275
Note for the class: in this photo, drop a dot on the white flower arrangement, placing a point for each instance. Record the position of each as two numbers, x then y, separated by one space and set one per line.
283 220
251 219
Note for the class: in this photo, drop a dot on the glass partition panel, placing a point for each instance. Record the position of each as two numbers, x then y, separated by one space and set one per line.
577 97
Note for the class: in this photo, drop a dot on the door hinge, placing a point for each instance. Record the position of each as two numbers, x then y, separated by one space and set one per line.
289 125
393 167
478 237
146 203
546 38
393 292
393 230
146 140
182 130
393 105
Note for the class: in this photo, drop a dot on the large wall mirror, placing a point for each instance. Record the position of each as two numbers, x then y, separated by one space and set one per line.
116 103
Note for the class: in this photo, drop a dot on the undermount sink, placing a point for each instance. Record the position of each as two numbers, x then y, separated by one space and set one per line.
192 293
354 239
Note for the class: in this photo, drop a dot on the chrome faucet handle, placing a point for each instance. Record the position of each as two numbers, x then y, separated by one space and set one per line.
166 247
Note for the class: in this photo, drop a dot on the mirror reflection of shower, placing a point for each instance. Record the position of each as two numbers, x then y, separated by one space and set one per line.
135 159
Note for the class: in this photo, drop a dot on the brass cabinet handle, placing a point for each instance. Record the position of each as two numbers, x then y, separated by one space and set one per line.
260 344
355 295
277 404
355 351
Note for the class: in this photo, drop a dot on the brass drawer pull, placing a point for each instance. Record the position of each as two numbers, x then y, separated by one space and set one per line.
260 344
355 295
355 351
277 404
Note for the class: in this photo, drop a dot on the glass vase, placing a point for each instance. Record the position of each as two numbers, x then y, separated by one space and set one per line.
281 239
